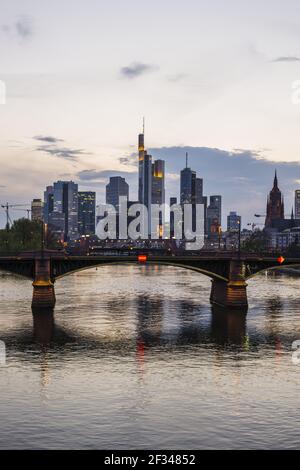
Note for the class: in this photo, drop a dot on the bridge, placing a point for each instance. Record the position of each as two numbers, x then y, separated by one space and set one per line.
229 272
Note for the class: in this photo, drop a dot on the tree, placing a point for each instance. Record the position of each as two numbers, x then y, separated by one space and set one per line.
256 243
25 235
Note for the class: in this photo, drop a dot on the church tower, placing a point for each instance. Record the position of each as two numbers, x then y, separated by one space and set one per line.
275 205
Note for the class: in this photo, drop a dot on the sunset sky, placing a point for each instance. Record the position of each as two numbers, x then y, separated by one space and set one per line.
215 76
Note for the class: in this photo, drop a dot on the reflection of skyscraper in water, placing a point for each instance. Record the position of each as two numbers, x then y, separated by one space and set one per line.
150 313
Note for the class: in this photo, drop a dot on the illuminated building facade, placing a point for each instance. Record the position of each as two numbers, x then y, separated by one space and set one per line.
116 188
158 190
48 203
64 217
233 222
86 212
37 210
145 177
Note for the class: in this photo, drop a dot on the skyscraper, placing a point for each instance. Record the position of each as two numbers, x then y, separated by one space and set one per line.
191 192
297 204
275 206
86 212
199 190
158 190
116 188
48 203
158 182
37 209
145 176
200 199
173 202
187 185
64 217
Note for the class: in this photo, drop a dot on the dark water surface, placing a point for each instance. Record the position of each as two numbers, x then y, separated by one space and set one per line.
135 357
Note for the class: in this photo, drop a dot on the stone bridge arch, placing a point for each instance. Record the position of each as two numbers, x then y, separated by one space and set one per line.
66 268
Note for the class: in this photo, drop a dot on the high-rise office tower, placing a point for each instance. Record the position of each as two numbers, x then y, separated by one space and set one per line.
214 214
297 204
199 190
48 203
158 182
158 190
187 185
191 191
233 222
173 201
36 209
86 212
200 199
116 188
64 218
145 176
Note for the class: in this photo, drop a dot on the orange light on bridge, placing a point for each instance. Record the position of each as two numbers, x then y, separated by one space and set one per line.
280 259
142 258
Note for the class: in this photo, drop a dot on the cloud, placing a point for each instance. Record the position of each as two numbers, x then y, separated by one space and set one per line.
136 69
52 147
49 139
287 59
130 160
92 175
242 176
21 28
173 176
62 152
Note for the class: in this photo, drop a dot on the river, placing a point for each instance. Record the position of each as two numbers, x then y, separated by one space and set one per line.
134 357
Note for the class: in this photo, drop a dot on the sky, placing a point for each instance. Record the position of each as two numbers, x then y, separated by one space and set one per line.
219 79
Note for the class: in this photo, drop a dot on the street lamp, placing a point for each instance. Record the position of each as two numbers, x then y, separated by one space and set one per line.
219 235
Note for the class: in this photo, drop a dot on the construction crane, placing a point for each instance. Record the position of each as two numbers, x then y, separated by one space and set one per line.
25 210
7 208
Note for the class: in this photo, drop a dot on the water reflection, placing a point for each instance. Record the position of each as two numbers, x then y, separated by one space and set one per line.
228 326
127 360
187 326
43 325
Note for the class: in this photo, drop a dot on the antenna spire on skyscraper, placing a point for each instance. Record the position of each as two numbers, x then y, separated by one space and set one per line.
275 180
186 159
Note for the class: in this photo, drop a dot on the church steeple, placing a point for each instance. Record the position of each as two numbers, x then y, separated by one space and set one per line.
275 205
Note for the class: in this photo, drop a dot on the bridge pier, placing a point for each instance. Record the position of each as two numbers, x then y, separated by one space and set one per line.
43 287
232 293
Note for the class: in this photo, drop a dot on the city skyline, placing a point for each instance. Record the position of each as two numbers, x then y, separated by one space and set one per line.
173 189
71 115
